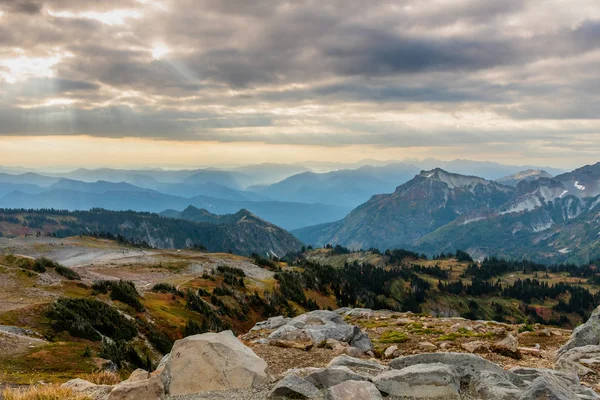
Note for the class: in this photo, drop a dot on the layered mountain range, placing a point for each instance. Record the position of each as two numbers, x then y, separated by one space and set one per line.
504 211
555 219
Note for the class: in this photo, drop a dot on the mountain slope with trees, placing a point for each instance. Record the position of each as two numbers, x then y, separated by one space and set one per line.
547 219
242 233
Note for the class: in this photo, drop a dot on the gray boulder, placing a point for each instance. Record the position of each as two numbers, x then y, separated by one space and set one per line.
360 340
357 364
432 381
584 335
570 360
493 386
467 365
210 362
530 374
331 376
289 336
360 312
354 390
548 387
294 386
271 323
565 379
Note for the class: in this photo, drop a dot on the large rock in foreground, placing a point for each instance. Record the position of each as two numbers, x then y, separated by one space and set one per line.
431 381
467 365
582 347
571 360
211 362
584 335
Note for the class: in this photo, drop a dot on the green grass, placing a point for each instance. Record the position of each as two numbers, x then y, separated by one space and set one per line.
393 337
55 362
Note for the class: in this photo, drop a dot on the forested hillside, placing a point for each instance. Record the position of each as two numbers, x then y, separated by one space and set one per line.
244 234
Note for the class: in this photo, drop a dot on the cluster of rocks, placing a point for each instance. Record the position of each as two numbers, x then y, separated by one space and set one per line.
220 361
430 376
316 328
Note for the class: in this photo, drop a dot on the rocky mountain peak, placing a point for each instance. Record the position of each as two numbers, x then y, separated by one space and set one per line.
453 180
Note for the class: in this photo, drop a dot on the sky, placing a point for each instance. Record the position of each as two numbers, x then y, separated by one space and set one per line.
125 83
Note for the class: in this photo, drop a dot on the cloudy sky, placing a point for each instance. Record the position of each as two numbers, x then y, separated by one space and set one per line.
194 82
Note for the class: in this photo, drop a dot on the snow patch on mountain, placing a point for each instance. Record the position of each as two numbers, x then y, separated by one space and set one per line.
542 226
578 186
526 204
471 220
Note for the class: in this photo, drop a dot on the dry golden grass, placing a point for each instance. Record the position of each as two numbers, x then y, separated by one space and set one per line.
46 392
102 378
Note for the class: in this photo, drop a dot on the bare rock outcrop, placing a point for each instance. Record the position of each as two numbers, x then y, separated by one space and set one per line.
582 348
584 335
318 326
430 381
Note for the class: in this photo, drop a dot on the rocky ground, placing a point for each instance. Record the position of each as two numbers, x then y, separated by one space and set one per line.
358 354
410 334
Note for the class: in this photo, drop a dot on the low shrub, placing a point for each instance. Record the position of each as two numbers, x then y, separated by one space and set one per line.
123 291
103 378
160 341
67 273
166 288
223 269
124 355
90 319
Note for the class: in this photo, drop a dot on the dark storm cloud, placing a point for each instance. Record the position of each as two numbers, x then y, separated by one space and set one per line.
120 121
290 71
26 7
29 7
